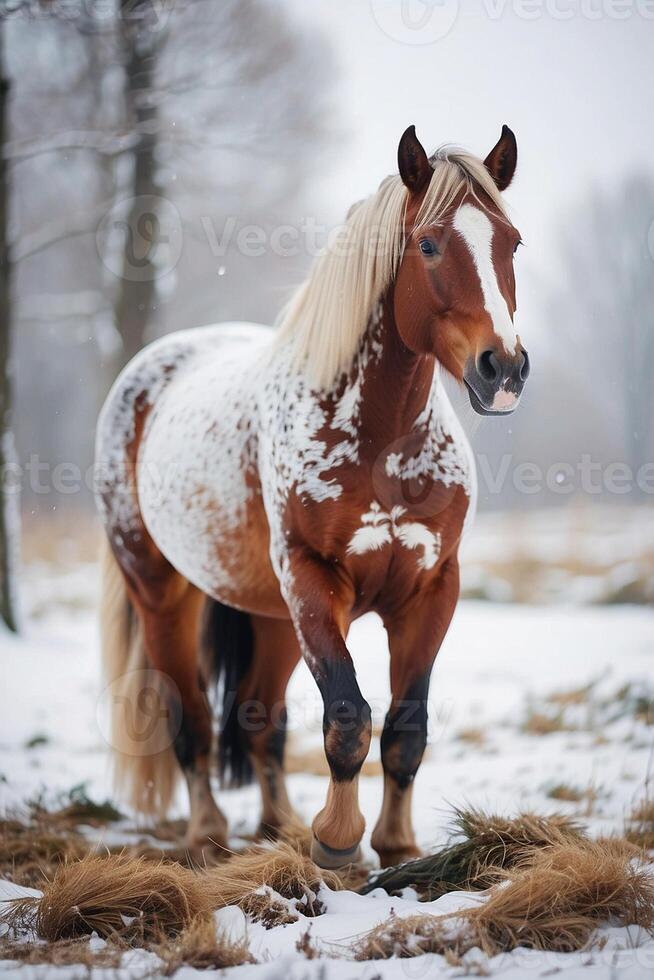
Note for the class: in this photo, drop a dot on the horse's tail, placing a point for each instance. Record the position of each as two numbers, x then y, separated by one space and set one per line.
145 767
229 651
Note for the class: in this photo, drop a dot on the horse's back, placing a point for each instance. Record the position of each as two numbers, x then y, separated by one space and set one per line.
158 364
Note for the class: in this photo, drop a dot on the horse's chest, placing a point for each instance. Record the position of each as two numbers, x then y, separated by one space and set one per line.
395 533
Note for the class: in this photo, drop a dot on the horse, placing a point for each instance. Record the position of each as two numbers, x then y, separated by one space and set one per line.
263 488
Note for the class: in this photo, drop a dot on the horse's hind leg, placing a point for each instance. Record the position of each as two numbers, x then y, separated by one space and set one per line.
169 608
263 695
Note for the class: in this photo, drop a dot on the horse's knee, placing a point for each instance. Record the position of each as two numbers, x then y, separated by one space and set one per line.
347 728
268 741
193 739
403 741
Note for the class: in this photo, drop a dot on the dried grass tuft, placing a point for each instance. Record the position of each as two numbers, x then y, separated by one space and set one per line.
553 899
540 723
135 901
560 894
131 899
566 793
307 947
573 695
264 907
199 947
296 833
281 867
407 937
66 952
472 736
640 825
490 844
28 854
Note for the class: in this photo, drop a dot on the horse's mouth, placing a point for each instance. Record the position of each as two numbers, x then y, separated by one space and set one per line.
499 405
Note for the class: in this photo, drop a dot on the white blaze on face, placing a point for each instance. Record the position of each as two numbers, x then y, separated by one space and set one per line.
476 229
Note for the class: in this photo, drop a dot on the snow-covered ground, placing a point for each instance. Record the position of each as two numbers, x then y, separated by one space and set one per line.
490 693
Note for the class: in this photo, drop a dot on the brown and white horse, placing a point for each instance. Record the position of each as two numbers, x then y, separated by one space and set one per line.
262 489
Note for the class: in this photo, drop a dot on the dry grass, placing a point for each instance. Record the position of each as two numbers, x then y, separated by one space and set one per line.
526 577
552 900
307 947
199 947
541 723
136 901
566 793
298 835
262 906
37 839
640 825
406 937
66 952
573 695
490 844
283 868
131 899
472 736
28 854
74 807
560 894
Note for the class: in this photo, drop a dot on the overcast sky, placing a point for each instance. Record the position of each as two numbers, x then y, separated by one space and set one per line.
574 80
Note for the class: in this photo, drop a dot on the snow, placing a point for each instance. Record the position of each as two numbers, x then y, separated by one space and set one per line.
498 663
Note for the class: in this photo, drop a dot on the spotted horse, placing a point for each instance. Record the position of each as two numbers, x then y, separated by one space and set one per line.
261 488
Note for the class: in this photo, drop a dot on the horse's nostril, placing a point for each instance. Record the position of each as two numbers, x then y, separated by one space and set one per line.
525 366
489 367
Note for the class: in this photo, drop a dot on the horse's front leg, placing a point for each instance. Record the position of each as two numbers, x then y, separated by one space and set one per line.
415 635
320 602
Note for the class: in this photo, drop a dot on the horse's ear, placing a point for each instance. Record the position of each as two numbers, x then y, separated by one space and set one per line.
415 168
502 159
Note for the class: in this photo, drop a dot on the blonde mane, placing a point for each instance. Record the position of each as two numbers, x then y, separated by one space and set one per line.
328 314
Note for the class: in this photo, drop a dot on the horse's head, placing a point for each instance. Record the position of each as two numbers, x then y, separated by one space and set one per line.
454 291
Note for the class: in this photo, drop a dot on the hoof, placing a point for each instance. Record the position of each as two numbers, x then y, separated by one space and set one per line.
388 859
330 858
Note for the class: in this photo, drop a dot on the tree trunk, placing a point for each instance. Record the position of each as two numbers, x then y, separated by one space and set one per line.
137 293
8 502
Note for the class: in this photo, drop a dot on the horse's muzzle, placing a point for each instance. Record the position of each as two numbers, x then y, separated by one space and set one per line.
495 381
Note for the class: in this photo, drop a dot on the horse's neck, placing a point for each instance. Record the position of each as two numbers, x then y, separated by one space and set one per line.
395 383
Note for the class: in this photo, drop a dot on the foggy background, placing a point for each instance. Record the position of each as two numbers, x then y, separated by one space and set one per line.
247 128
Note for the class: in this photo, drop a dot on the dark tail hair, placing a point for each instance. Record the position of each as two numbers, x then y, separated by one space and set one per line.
229 645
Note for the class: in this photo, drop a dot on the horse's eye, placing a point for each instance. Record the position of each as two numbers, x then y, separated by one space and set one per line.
517 245
427 247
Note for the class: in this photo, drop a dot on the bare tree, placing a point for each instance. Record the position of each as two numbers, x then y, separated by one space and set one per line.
215 110
140 43
8 510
